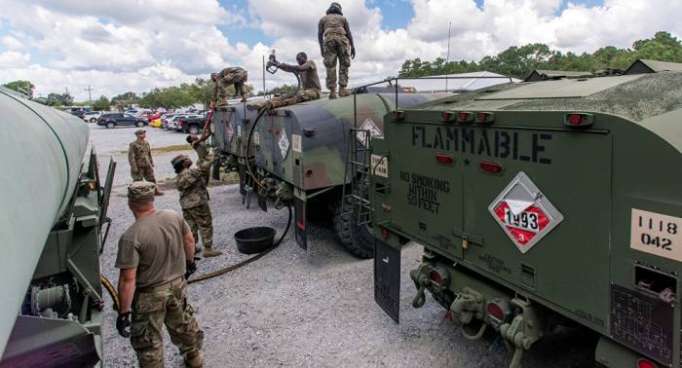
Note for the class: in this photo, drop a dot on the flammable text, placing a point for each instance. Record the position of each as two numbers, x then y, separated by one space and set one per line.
503 144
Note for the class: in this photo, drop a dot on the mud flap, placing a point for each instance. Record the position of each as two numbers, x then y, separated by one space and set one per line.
300 217
387 278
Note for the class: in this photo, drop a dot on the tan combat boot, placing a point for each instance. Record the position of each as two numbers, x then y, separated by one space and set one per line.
194 360
343 92
209 252
332 93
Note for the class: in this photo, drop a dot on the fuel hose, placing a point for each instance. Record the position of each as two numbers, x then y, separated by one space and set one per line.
245 262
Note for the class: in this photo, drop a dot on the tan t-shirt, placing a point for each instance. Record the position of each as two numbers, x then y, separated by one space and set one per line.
155 246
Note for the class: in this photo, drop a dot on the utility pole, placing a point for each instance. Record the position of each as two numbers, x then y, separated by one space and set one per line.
89 90
264 91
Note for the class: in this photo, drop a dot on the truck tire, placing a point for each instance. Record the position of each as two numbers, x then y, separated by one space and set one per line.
93 120
193 129
363 246
139 124
111 125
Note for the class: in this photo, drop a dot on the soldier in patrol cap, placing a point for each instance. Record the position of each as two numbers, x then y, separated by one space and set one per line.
192 184
155 257
140 159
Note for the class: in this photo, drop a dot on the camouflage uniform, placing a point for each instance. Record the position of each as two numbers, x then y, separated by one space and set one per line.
159 297
141 163
336 42
310 85
191 184
236 76
166 305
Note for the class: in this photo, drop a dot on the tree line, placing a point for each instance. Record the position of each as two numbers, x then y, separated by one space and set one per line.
518 61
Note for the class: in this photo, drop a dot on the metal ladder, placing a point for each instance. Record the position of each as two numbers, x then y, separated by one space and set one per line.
357 172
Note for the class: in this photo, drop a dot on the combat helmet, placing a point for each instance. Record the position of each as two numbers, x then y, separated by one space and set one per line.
334 8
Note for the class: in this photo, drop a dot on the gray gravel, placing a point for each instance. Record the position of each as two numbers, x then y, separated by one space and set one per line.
293 309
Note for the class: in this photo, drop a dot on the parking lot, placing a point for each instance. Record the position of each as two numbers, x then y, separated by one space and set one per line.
299 309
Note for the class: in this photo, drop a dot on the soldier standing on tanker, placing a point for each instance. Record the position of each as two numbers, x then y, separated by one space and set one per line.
236 76
140 159
192 185
310 90
155 257
336 42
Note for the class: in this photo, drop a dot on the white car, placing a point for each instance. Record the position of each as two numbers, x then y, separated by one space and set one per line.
92 116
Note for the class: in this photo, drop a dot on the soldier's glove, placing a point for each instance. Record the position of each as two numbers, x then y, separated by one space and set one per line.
190 268
123 324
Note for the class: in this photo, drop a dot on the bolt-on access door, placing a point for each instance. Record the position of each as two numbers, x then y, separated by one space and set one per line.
536 211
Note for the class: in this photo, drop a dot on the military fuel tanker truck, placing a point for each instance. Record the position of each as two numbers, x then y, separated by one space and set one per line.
53 211
540 205
299 154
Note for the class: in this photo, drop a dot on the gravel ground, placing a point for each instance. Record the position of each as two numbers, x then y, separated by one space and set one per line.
293 309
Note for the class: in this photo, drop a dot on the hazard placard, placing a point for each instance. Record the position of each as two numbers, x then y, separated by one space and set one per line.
525 214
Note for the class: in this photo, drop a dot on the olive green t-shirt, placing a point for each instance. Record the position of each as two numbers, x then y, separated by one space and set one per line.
154 245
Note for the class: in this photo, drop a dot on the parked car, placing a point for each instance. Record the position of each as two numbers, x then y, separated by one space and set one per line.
91 116
115 119
165 120
191 124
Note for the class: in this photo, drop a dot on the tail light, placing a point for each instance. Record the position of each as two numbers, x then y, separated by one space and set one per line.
485 118
498 310
436 277
385 234
398 115
646 363
447 116
444 159
464 117
578 120
491 167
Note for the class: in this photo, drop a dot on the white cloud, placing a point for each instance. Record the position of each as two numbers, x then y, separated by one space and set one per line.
13 59
141 44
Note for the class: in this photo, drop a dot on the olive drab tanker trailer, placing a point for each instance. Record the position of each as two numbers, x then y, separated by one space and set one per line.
541 204
53 209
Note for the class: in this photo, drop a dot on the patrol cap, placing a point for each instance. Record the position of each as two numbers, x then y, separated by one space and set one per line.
139 190
140 132
179 158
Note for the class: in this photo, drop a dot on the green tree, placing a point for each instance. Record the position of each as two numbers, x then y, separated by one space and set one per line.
102 104
21 86
518 61
59 99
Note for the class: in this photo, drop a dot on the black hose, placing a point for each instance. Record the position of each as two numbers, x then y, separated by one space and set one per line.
248 144
247 261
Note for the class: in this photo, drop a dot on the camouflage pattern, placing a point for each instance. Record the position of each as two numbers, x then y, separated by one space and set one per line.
322 160
300 96
191 184
141 190
336 48
335 42
229 76
200 220
165 305
141 163
202 151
